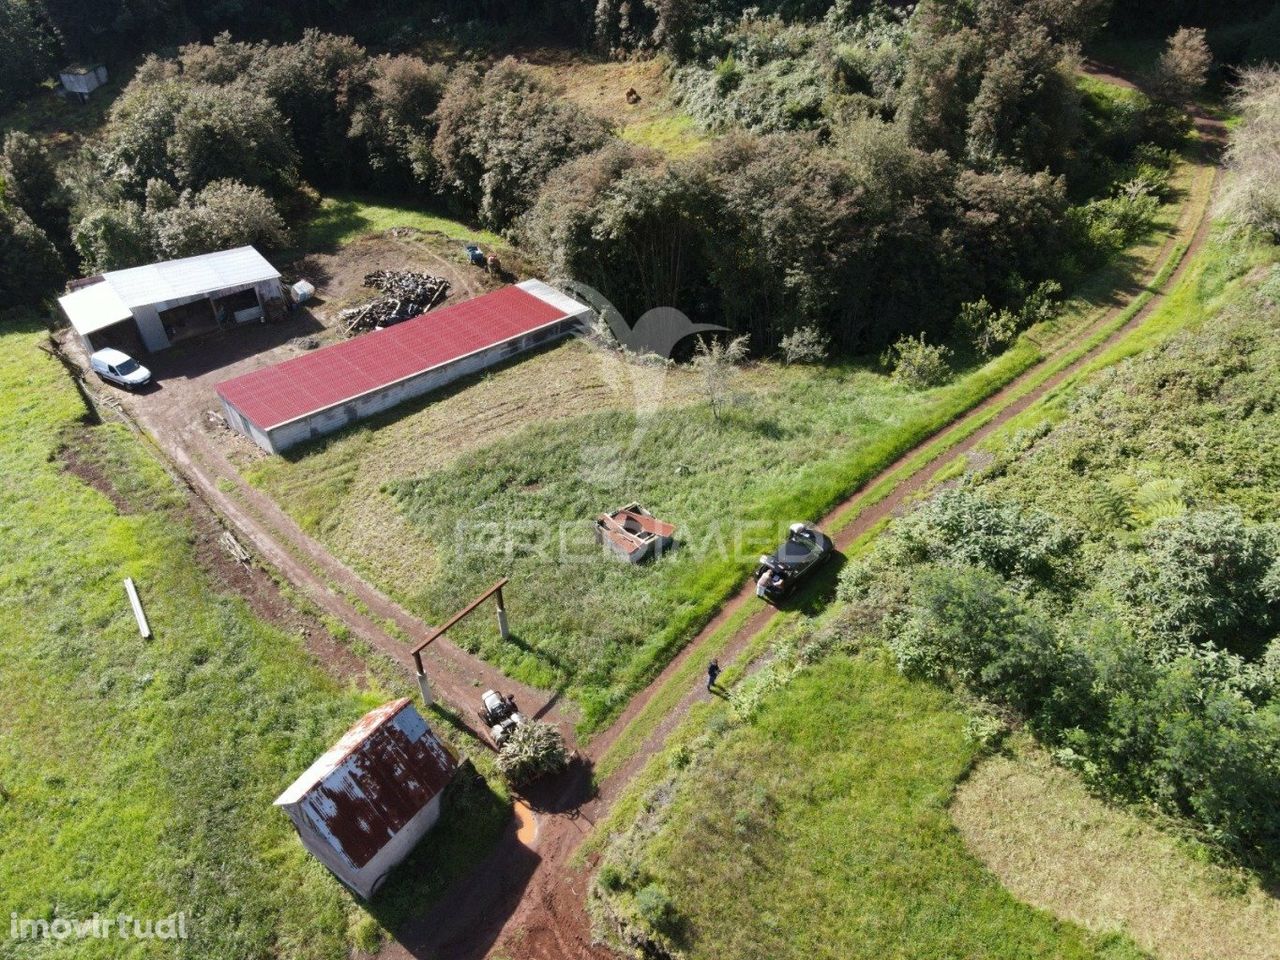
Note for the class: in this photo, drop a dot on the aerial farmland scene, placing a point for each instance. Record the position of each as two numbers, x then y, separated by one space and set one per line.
640 480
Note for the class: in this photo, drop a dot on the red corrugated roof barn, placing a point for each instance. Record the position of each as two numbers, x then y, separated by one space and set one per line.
321 391
363 806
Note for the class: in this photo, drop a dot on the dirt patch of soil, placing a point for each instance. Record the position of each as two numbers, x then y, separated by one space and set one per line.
339 275
72 457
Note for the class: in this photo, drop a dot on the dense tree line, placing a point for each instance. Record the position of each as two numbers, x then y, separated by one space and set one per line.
879 170
902 168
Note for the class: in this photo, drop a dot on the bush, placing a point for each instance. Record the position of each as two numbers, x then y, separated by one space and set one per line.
919 364
960 528
1251 197
656 909
1203 578
1104 227
966 629
986 327
805 345
533 750
501 134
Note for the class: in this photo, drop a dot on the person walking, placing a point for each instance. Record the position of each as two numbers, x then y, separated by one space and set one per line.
713 674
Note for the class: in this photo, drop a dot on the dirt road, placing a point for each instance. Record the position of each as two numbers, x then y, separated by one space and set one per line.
526 900
483 916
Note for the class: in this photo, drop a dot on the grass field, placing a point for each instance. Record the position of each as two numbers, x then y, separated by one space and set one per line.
1056 846
600 87
820 829
137 776
342 218
501 477
462 513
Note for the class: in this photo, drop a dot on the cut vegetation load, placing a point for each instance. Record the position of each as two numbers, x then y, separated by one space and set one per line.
405 295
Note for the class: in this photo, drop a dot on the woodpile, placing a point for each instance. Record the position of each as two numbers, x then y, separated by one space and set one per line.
234 548
405 294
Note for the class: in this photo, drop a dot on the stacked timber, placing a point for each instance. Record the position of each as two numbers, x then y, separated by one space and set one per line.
405 294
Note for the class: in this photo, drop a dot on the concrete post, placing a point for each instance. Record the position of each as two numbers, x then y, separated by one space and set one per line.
504 628
428 698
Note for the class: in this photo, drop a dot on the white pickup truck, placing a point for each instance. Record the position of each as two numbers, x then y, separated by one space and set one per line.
119 368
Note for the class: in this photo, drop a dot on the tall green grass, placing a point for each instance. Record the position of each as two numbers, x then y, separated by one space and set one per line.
820 829
342 218
137 776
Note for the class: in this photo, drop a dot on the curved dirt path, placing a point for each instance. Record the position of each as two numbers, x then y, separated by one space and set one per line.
538 912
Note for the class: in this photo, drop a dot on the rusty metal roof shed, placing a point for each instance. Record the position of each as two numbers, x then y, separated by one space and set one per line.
365 789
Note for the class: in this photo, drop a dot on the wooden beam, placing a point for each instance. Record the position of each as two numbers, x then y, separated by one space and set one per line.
470 608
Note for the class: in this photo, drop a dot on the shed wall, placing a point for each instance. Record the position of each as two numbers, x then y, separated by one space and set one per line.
365 881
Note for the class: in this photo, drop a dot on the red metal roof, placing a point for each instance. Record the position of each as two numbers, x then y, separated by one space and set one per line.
332 375
373 781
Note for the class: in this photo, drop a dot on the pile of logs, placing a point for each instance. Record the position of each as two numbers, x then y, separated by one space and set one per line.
404 295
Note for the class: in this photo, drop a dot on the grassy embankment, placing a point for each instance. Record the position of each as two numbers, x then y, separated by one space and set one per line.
792 449
137 776
821 829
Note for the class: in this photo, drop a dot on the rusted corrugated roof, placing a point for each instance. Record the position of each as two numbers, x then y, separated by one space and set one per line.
373 781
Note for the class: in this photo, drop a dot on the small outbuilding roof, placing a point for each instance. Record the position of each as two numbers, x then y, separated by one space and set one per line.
94 307
315 381
190 276
363 790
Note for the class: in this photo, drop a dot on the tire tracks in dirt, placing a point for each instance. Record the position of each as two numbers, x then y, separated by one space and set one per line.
549 921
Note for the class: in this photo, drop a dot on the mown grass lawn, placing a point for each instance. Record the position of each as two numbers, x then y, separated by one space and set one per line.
820 829
342 218
137 776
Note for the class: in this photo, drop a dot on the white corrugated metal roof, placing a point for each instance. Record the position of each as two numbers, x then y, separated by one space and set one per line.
94 307
190 277
549 294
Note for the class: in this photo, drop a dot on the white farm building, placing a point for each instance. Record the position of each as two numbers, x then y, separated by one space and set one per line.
81 80
363 806
145 309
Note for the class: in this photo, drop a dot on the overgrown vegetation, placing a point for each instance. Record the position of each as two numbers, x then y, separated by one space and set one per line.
851 194
1041 589
1112 579
534 749
816 824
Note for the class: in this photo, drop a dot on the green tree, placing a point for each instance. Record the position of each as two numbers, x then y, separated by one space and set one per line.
501 134
1183 68
32 182
113 236
224 214
224 133
29 48
30 268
